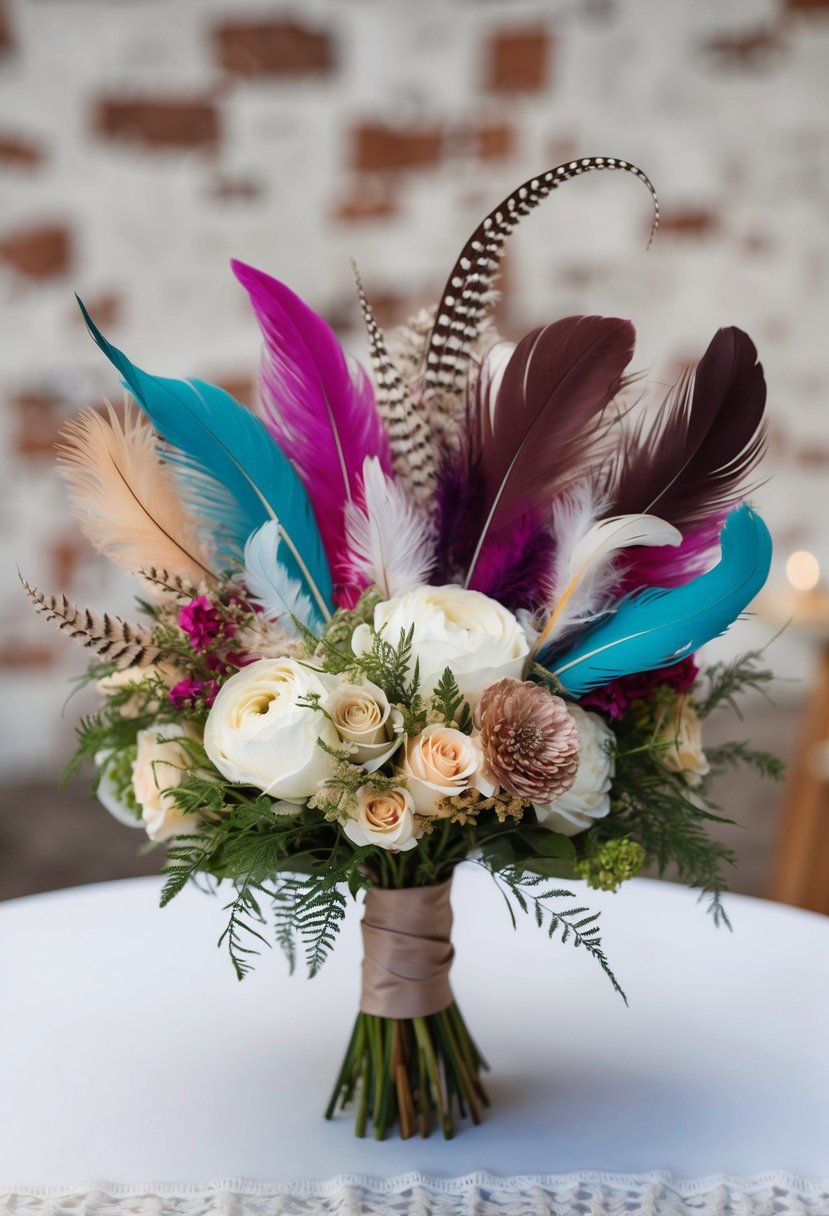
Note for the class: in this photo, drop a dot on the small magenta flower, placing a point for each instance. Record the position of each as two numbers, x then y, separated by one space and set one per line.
201 622
186 692
615 698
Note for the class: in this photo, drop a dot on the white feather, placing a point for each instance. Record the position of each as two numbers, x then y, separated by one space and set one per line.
585 570
271 587
390 540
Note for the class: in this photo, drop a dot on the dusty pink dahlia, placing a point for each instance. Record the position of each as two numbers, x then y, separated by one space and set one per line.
530 740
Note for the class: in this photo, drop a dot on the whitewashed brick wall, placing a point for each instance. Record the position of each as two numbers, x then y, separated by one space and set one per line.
145 142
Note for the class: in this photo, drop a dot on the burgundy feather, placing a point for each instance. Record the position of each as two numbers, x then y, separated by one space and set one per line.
558 379
691 471
540 433
711 437
320 412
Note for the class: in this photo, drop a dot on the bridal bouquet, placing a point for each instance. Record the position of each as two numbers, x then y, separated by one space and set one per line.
389 626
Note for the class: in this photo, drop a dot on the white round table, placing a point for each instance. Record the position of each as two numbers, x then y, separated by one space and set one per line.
130 1052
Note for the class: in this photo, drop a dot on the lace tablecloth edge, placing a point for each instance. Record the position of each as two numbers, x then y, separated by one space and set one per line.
313 1188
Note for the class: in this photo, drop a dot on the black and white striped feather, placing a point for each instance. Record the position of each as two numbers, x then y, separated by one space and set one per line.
468 291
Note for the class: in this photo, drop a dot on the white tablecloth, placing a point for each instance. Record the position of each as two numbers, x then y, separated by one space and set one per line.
129 1051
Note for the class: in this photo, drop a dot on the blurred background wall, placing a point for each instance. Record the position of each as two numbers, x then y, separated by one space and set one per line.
145 142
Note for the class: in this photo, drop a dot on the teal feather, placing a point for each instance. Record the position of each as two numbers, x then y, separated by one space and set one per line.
661 626
223 445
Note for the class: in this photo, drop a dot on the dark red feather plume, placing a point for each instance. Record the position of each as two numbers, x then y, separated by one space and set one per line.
691 469
712 435
541 432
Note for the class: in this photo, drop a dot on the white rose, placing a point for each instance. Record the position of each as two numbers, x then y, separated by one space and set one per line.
470 633
441 762
681 732
160 766
384 818
363 717
588 798
258 734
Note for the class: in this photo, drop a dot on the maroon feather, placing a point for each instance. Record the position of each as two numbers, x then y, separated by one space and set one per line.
691 471
558 379
712 435
542 430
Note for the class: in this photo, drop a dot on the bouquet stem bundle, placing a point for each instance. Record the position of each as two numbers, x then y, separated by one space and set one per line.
410 1071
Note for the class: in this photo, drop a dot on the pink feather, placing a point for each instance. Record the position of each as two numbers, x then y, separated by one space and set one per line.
320 411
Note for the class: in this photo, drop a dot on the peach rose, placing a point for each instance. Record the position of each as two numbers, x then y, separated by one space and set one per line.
441 762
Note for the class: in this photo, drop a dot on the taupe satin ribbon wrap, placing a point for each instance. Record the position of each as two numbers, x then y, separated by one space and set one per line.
407 952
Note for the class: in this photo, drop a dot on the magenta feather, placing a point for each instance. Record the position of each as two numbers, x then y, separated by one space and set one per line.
515 566
320 411
668 566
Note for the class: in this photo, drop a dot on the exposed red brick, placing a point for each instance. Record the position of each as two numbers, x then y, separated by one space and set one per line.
17 655
41 252
242 388
23 152
493 141
518 60
693 222
66 556
158 122
6 38
38 418
748 49
392 309
563 149
366 200
106 309
273 48
806 6
378 147
812 455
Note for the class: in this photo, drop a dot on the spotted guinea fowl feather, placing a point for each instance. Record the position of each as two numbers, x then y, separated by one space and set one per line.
468 291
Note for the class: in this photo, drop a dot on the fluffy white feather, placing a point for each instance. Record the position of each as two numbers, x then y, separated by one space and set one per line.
271 587
585 570
390 540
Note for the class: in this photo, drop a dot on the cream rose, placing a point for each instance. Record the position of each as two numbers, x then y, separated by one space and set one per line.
384 818
441 762
363 717
588 798
161 764
258 734
470 633
681 732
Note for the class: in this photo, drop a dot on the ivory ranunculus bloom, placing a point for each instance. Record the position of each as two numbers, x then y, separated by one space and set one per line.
363 717
161 764
464 630
441 762
588 798
681 732
258 734
384 818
